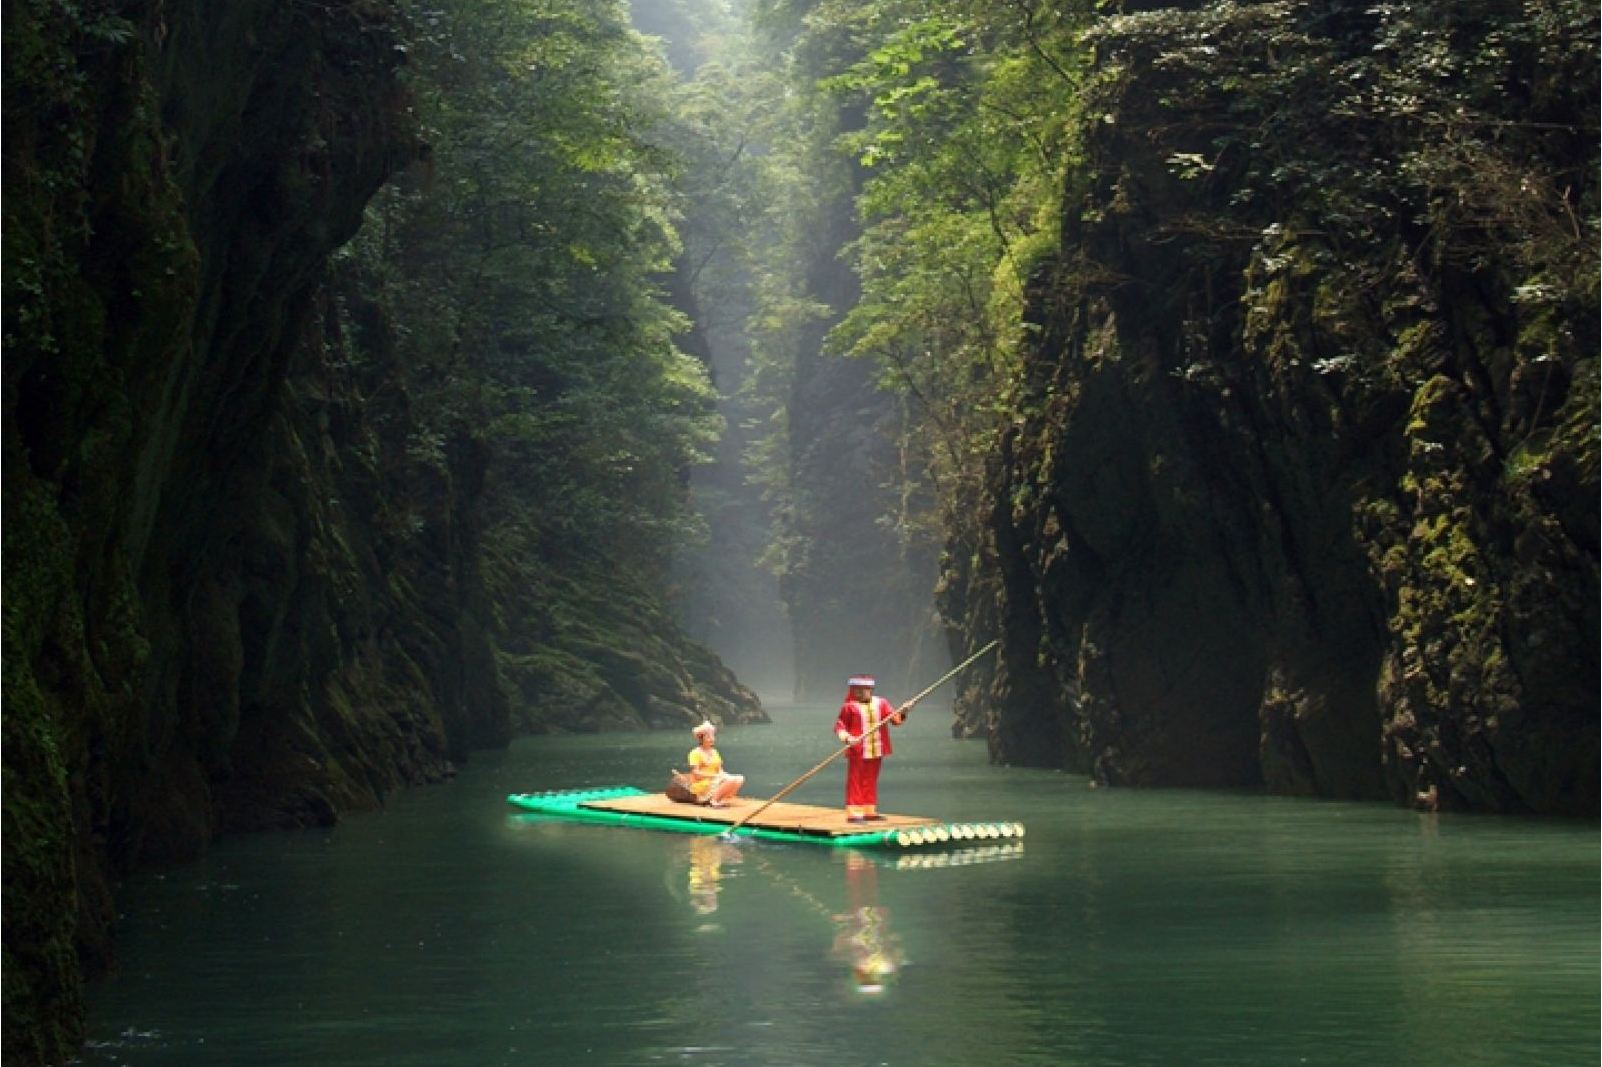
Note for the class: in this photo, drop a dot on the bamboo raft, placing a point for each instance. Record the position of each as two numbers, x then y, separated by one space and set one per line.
807 823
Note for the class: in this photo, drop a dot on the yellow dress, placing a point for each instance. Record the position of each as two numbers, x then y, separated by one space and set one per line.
706 766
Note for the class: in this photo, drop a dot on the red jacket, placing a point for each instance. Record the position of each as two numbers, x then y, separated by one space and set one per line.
877 743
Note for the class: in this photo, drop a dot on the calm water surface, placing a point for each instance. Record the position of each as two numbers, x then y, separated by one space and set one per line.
1130 928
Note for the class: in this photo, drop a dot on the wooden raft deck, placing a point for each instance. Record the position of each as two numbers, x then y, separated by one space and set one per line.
627 806
785 817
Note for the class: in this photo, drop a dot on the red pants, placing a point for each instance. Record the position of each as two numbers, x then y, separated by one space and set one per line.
862 784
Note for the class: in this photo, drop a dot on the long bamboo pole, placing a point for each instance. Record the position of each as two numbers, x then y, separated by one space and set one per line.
952 673
902 710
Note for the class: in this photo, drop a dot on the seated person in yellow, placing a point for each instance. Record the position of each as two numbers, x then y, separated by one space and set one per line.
710 785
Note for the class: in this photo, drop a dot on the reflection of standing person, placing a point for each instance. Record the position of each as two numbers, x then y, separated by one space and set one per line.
864 724
708 781
862 935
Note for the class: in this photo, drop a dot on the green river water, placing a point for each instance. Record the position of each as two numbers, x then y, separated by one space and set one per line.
1128 927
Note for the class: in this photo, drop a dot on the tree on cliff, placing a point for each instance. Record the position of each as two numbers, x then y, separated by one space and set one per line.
523 267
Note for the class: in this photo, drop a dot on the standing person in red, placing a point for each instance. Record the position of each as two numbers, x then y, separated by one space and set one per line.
864 724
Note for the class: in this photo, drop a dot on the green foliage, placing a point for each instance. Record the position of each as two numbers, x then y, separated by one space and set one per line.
520 266
42 998
715 125
966 145
1453 126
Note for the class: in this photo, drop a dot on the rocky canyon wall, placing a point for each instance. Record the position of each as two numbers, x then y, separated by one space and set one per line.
1304 494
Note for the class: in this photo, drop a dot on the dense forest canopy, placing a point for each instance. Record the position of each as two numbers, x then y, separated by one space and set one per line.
523 270
387 379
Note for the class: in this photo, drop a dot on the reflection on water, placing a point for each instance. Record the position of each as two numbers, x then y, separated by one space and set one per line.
862 935
708 854
1139 929
953 857
863 938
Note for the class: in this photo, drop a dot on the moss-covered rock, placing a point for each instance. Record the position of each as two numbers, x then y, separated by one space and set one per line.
595 648
176 176
1305 490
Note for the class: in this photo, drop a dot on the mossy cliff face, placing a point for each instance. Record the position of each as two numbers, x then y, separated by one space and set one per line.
244 581
183 653
1305 491
347 650
587 646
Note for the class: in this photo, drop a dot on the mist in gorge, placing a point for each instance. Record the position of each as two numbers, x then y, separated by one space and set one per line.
723 597
799 578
